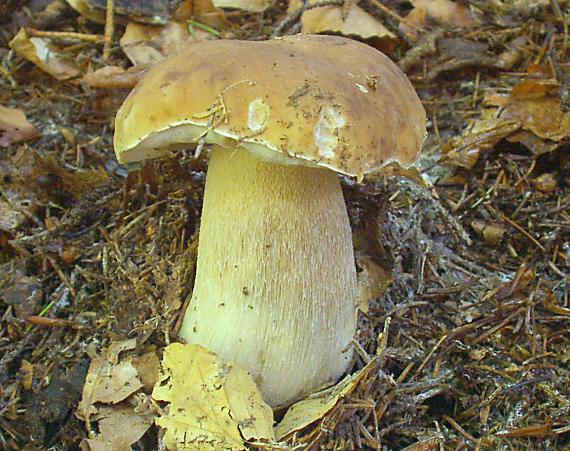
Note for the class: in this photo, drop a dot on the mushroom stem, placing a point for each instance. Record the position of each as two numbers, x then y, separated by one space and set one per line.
275 281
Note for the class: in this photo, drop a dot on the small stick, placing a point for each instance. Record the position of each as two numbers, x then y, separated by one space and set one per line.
61 276
109 28
65 35
524 232
52 322
459 429
394 15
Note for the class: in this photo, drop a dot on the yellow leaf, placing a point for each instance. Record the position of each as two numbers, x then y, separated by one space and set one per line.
213 405
316 406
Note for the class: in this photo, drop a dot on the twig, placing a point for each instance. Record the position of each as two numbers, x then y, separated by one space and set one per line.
395 15
459 429
524 232
65 35
109 28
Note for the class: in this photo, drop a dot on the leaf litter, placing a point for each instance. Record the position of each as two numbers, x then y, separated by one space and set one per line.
463 265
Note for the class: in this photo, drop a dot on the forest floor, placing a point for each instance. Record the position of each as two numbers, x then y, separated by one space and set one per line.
465 330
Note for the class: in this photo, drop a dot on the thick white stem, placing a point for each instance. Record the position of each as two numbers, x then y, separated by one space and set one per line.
275 282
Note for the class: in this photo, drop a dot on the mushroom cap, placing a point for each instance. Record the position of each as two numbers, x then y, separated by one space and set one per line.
304 99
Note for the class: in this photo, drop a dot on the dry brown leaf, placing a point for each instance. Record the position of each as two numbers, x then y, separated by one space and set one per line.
122 426
95 444
542 116
45 56
12 211
372 281
530 115
148 367
87 11
441 11
255 6
115 77
316 406
536 145
14 127
550 302
329 19
464 151
74 182
229 404
145 44
201 10
108 381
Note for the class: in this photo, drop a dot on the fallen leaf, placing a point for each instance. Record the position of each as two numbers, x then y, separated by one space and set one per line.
329 19
45 56
145 44
255 6
121 427
14 127
440 11
542 116
115 77
202 11
464 151
212 405
536 145
316 406
531 115
73 182
550 303
108 381
372 281
148 367
87 11
95 444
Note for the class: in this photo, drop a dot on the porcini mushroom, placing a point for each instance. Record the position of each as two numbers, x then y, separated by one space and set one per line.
276 279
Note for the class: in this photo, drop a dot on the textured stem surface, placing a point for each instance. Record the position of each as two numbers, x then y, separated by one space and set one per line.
275 281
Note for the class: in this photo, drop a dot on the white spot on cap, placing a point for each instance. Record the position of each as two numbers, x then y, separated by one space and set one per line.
326 131
258 114
362 88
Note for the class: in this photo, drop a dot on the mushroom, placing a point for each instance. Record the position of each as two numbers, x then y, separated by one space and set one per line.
276 280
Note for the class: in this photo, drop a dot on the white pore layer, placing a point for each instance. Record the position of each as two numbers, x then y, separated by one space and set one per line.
275 283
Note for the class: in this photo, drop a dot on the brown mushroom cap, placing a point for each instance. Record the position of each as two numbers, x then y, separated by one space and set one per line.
304 99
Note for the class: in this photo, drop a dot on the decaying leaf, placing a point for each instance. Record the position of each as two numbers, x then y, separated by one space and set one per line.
45 56
121 427
333 19
212 405
316 406
14 127
372 281
86 10
108 381
441 11
538 111
531 115
155 12
95 444
549 301
202 11
148 367
115 77
75 183
145 44
256 6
